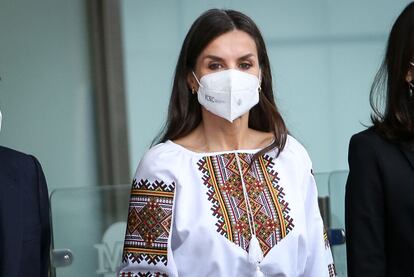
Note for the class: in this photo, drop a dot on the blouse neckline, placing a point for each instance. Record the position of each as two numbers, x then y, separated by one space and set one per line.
215 153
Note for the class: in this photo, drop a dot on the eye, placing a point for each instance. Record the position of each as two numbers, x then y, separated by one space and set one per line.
245 66
215 66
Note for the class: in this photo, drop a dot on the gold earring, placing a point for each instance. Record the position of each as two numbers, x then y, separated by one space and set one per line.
193 90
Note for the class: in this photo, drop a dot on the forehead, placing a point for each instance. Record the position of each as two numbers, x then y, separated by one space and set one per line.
233 44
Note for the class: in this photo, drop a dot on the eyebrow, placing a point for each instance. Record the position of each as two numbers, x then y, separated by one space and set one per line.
216 58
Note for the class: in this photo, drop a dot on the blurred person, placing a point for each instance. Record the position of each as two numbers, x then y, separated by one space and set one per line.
379 209
226 192
24 216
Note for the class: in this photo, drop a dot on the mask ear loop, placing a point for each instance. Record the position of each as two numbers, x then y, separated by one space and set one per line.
198 82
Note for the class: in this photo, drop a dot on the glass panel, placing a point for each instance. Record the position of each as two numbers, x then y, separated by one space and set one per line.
337 182
90 223
322 179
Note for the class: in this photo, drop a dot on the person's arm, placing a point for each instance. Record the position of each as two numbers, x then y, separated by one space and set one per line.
44 212
319 257
364 211
147 245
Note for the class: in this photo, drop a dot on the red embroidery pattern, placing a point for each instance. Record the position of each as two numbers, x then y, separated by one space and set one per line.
270 210
149 222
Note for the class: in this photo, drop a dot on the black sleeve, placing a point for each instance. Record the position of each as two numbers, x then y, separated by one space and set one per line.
44 208
364 210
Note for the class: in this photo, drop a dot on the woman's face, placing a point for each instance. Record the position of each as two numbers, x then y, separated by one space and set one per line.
232 50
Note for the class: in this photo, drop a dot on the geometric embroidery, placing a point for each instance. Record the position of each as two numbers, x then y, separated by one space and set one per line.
221 176
149 222
332 270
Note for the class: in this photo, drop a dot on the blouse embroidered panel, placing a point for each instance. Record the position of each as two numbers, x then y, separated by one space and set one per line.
193 214
270 211
149 222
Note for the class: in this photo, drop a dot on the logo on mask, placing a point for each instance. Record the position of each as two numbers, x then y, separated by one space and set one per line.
212 99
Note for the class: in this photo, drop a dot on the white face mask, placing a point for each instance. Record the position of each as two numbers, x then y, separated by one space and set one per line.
228 93
0 120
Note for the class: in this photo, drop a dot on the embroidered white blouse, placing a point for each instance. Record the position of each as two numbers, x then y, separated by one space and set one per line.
194 214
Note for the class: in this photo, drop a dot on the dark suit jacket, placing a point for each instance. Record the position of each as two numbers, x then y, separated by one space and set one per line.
24 216
379 207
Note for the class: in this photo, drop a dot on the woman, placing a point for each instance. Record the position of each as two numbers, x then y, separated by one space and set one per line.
380 187
227 192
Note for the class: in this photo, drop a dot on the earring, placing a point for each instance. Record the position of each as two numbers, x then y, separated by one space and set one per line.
193 90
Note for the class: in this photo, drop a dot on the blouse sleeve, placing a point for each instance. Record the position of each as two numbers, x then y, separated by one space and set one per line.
319 256
147 246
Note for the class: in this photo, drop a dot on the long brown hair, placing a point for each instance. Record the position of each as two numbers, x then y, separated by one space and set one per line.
392 104
184 112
